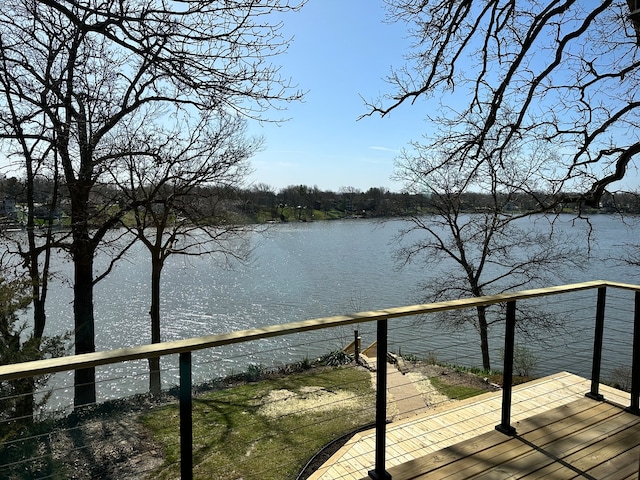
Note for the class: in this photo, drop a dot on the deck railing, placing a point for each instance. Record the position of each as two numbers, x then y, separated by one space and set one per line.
382 319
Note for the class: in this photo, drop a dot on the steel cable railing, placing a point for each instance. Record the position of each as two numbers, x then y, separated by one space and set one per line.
414 333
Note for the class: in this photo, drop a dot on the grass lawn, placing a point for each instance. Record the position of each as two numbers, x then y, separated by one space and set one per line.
457 392
268 429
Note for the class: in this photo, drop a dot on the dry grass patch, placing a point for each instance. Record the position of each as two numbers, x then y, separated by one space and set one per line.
316 399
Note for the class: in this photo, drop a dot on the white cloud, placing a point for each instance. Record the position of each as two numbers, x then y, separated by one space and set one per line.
383 149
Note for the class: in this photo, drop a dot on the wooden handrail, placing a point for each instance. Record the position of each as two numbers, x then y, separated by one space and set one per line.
60 364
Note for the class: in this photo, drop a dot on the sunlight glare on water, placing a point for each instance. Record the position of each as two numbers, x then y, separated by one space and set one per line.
297 272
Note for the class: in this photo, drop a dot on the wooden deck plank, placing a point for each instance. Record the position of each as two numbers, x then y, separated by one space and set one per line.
593 453
489 440
624 466
523 455
551 452
597 455
545 410
559 444
425 466
491 462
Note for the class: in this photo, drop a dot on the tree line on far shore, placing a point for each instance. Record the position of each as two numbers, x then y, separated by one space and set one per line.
262 203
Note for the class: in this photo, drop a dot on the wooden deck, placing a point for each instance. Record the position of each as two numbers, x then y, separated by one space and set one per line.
560 434
584 439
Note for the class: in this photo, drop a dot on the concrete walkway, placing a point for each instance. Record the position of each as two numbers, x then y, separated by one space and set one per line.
403 399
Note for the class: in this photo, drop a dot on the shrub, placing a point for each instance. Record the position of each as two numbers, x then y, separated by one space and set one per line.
18 432
620 378
336 358
255 372
524 361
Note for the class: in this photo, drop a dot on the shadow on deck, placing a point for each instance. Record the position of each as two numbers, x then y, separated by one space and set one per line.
560 434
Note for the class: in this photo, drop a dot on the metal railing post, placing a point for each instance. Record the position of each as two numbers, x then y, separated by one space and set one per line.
635 362
597 346
507 375
379 473
186 418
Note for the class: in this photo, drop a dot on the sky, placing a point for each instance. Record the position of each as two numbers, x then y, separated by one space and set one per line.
341 53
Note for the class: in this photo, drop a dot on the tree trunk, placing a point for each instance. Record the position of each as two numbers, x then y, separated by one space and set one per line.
26 404
484 337
154 312
39 317
85 388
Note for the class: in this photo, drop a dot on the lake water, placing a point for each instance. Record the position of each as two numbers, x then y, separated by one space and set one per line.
297 271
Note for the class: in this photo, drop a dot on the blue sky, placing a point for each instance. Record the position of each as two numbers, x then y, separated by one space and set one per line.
342 50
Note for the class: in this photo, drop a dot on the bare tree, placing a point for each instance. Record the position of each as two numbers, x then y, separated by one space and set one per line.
488 249
40 218
76 71
181 185
498 72
38 159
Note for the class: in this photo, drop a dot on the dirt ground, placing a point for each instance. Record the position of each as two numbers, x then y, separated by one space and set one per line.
119 448
110 448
